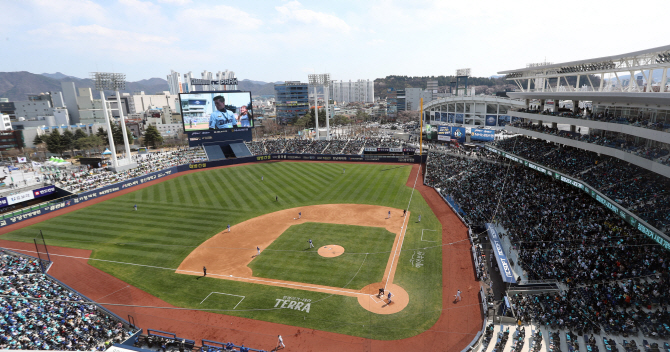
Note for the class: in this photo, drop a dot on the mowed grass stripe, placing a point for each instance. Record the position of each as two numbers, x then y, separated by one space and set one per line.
315 185
281 175
215 188
249 185
197 183
231 192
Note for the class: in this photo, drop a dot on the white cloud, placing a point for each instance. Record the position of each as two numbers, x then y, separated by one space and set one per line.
175 2
68 10
217 18
294 12
141 8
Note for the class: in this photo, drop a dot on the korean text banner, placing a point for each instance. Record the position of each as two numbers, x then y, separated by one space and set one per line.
501 258
479 134
443 133
216 110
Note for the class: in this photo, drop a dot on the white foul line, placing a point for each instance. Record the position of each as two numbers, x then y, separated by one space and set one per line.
403 231
228 294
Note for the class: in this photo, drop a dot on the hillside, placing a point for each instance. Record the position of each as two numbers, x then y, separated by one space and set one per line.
17 85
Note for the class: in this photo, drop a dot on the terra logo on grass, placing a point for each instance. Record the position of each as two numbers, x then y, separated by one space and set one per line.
294 303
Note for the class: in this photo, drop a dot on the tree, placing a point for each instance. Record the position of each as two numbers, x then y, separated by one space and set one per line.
54 142
117 134
152 137
340 120
79 134
91 142
101 133
37 140
67 141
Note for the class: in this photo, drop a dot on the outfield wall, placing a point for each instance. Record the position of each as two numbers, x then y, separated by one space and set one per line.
29 213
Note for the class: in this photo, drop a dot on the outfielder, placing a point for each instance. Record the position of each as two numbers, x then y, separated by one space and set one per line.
310 243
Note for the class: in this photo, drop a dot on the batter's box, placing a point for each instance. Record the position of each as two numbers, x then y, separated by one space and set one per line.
222 300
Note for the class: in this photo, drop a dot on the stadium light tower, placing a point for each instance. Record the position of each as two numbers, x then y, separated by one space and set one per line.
119 83
113 81
103 82
320 80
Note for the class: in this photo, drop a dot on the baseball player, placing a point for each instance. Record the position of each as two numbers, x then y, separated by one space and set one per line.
135 207
458 295
258 249
381 293
404 212
389 297
389 215
344 171
204 271
276 198
280 342
261 178
310 243
299 215
228 227
419 217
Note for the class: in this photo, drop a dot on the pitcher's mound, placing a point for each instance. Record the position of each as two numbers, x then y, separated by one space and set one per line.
331 250
380 305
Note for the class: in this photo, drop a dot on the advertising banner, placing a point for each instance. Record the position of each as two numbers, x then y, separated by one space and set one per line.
443 133
458 133
503 120
479 134
491 120
501 258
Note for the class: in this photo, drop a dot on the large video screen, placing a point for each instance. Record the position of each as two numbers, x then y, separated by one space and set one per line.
216 110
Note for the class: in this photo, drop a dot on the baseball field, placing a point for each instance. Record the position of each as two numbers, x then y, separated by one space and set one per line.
181 226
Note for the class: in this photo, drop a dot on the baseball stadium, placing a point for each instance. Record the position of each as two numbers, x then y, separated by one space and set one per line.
518 226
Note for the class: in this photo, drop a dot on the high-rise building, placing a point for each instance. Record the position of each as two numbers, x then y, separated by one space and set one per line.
178 85
431 86
360 91
413 98
70 99
292 100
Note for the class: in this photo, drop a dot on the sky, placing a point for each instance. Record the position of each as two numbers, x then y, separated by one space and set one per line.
287 40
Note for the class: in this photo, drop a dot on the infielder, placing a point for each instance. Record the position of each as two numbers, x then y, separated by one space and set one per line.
299 215
204 271
389 215
419 217
228 227
280 342
310 243
258 249
458 295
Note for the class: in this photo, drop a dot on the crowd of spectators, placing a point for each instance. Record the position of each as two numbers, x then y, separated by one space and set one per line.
84 179
606 116
37 313
559 233
643 192
621 141
346 146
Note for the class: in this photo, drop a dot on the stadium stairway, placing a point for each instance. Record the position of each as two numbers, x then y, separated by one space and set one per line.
214 152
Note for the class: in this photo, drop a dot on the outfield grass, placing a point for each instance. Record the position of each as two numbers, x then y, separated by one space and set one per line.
176 216
366 252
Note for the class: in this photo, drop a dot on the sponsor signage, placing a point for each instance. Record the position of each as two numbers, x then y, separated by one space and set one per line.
501 258
206 82
443 133
478 134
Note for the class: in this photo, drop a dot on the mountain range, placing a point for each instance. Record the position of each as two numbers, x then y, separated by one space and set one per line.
16 86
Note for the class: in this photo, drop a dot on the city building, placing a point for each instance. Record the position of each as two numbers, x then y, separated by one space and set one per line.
413 98
361 91
8 108
70 99
178 85
11 139
5 122
431 86
292 101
